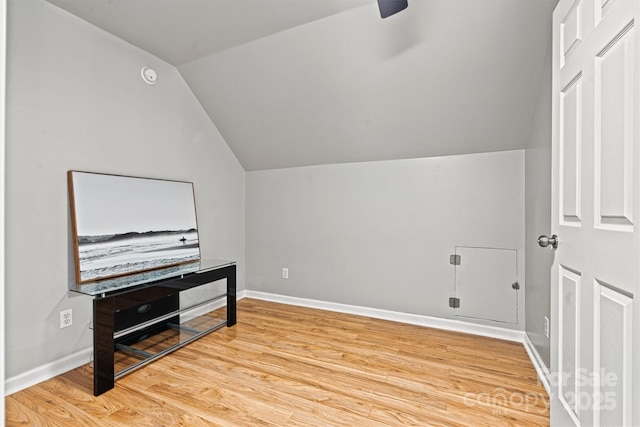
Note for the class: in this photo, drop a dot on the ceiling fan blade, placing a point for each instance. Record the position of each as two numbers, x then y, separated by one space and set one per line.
390 7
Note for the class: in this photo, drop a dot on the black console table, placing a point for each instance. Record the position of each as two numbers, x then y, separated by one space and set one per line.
129 311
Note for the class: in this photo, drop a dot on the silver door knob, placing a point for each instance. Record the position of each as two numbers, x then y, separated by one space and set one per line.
545 241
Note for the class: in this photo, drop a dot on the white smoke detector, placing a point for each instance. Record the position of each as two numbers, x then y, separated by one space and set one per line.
149 75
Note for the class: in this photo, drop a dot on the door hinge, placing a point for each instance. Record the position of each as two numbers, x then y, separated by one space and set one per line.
515 285
454 302
454 259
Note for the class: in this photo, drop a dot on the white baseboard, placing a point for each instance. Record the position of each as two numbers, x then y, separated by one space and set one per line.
414 319
48 371
541 368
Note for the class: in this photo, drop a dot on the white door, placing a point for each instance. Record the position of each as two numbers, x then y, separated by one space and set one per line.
595 347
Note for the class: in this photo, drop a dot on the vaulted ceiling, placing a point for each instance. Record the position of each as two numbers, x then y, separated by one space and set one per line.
305 82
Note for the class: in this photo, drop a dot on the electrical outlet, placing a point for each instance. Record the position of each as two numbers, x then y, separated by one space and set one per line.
285 273
546 327
66 318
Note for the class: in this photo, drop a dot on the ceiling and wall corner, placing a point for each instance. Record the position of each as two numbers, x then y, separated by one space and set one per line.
291 83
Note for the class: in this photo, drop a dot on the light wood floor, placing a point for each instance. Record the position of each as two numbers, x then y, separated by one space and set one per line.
290 366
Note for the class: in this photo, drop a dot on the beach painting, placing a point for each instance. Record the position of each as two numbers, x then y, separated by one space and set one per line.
123 225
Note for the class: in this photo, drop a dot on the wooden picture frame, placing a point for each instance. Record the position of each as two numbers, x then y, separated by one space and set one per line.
123 224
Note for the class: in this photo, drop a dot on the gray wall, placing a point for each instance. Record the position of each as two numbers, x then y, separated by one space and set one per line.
379 234
538 217
76 101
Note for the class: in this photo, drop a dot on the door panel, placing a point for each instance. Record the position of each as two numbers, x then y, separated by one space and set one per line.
613 105
602 7
570 29
613 350
569 340
595 348
570 151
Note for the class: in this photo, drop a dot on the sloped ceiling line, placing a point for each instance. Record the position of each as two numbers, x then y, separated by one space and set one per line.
294 83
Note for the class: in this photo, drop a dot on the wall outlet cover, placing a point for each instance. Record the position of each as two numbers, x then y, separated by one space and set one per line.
66 318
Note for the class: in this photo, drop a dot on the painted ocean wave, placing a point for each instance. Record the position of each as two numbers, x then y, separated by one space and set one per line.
107 257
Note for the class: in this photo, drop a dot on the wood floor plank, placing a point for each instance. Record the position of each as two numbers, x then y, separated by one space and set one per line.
283 365
138 408
21 415
55 409
70 392
278 390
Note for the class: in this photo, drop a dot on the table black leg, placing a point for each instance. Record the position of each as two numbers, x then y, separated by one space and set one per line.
103 325
231 296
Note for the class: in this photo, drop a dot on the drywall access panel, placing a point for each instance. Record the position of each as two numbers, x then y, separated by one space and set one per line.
486 284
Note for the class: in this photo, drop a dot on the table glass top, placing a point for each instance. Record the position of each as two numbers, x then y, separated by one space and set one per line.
118 283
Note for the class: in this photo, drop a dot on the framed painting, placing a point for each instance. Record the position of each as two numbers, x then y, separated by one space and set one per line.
123 225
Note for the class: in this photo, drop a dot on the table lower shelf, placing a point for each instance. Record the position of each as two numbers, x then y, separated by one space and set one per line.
131 356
